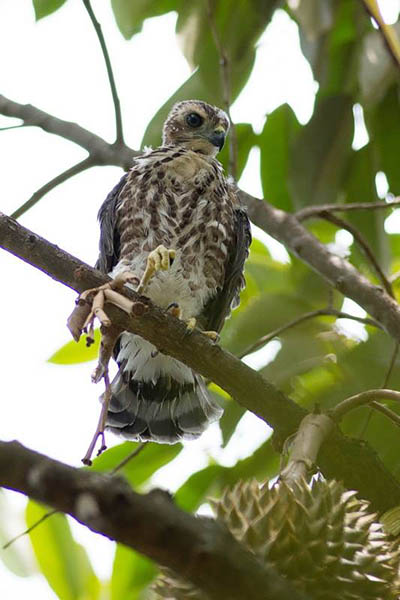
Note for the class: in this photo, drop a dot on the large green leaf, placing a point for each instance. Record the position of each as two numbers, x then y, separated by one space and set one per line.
77 352
130 14
131 574
62 561
210 482
320 153
275 142
46 7
138 470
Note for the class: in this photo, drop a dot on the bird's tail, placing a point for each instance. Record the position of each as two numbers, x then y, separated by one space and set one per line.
163 410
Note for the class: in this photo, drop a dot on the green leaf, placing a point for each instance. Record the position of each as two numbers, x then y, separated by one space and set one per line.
77 352
62 561
200 486
14 557
132 573
130 14
233 412
138 470
275 142
320 153
46 7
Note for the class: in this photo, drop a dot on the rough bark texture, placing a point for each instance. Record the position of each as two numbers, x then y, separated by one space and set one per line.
199 549
341 458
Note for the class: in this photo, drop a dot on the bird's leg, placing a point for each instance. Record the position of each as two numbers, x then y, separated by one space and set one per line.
87 459
159 259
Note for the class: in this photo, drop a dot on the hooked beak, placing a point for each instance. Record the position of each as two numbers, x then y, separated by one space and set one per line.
217 137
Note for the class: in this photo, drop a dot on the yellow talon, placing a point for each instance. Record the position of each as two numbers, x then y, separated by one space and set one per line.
159 259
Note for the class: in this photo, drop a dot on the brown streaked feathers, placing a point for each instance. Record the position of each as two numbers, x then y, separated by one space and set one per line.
176 196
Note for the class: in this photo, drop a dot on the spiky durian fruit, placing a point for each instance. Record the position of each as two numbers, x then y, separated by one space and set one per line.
319 536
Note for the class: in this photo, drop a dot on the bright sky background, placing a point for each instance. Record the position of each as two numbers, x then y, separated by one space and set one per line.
56 65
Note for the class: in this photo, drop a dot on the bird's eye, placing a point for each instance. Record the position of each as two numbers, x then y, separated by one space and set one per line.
194 120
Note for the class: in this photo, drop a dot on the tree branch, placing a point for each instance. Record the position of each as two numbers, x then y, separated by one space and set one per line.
198 549
117 106
101 151
340 457
50 185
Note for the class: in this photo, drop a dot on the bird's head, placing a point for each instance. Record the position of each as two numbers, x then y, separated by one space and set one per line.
197 126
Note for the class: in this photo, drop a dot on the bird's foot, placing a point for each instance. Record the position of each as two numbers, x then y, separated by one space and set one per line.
159 259
175 310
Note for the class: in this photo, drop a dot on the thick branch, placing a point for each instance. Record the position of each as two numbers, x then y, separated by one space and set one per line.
100 150
200 550
340 457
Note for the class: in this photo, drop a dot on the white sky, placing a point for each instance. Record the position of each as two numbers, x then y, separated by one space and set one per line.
56 65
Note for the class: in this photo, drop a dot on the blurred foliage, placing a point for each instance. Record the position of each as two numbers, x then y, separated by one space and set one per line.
300 165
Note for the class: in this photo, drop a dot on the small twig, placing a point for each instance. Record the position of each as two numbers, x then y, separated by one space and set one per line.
224 65
313 430
357 400
13 127
327 312
394 417
128 458
50 185
315 211
117 106
362 242
393 278
31 528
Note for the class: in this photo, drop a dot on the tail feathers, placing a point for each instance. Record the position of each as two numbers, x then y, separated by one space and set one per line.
166 411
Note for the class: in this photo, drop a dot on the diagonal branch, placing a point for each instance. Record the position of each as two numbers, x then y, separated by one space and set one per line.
100 150
117 106
50 185
340 457
199 549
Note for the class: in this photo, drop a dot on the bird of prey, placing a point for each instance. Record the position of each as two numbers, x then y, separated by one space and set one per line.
174 225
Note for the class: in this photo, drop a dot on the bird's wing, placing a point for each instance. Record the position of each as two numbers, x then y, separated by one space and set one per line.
219 307
109 236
